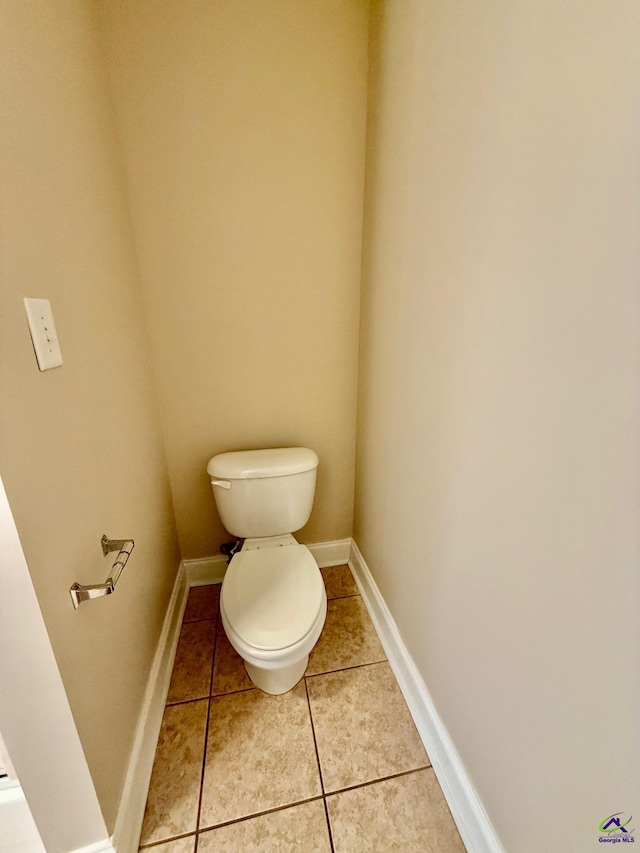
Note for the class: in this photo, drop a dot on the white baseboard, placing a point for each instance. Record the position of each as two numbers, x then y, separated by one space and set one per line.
334 553
98 847
134 795
212 569
8 784
468 812
206 570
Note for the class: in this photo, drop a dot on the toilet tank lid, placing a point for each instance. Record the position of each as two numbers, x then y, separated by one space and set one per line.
254 464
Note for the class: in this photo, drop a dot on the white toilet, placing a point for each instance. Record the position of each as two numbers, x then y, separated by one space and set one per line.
273 602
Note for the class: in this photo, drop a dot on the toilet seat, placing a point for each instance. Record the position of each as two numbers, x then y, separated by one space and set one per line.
272 598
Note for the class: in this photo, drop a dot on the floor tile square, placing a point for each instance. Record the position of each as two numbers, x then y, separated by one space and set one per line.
297 829
339 582
348 638
202 603
229 673
191 678
407 814
260 755
362 726
172 803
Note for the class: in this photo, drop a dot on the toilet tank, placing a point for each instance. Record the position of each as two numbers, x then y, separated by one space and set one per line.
264 492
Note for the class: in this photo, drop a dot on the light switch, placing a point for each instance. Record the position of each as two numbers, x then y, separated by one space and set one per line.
43 333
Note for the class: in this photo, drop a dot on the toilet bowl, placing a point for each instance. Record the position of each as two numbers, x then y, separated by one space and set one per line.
273 606
273 602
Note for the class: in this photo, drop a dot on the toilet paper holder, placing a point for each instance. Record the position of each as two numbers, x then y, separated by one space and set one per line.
80 592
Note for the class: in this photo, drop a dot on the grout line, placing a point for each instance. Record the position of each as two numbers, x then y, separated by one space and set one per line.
152 844
326 815
313 732
381 779
200 619
186 701
344 668
315 744
186 621
214 622
346 595
259 814
206 735
173 705
233 692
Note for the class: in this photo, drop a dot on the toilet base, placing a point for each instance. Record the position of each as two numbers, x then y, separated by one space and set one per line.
277 681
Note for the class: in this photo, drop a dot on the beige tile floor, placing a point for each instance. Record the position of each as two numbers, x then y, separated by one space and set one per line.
335 764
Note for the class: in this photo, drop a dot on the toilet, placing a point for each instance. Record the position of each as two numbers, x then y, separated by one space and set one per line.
273 602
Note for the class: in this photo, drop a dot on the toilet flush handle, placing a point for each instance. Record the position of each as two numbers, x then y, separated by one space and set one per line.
224 484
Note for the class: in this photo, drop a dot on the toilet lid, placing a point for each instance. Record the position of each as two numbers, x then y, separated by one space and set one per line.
272 596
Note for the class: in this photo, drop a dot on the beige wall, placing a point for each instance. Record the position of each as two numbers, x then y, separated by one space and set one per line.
242 125
497 499
498 409
80 449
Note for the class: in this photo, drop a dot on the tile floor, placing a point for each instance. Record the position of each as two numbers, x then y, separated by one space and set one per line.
335 764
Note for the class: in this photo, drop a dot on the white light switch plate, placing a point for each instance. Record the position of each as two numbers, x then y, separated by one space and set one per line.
43 333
